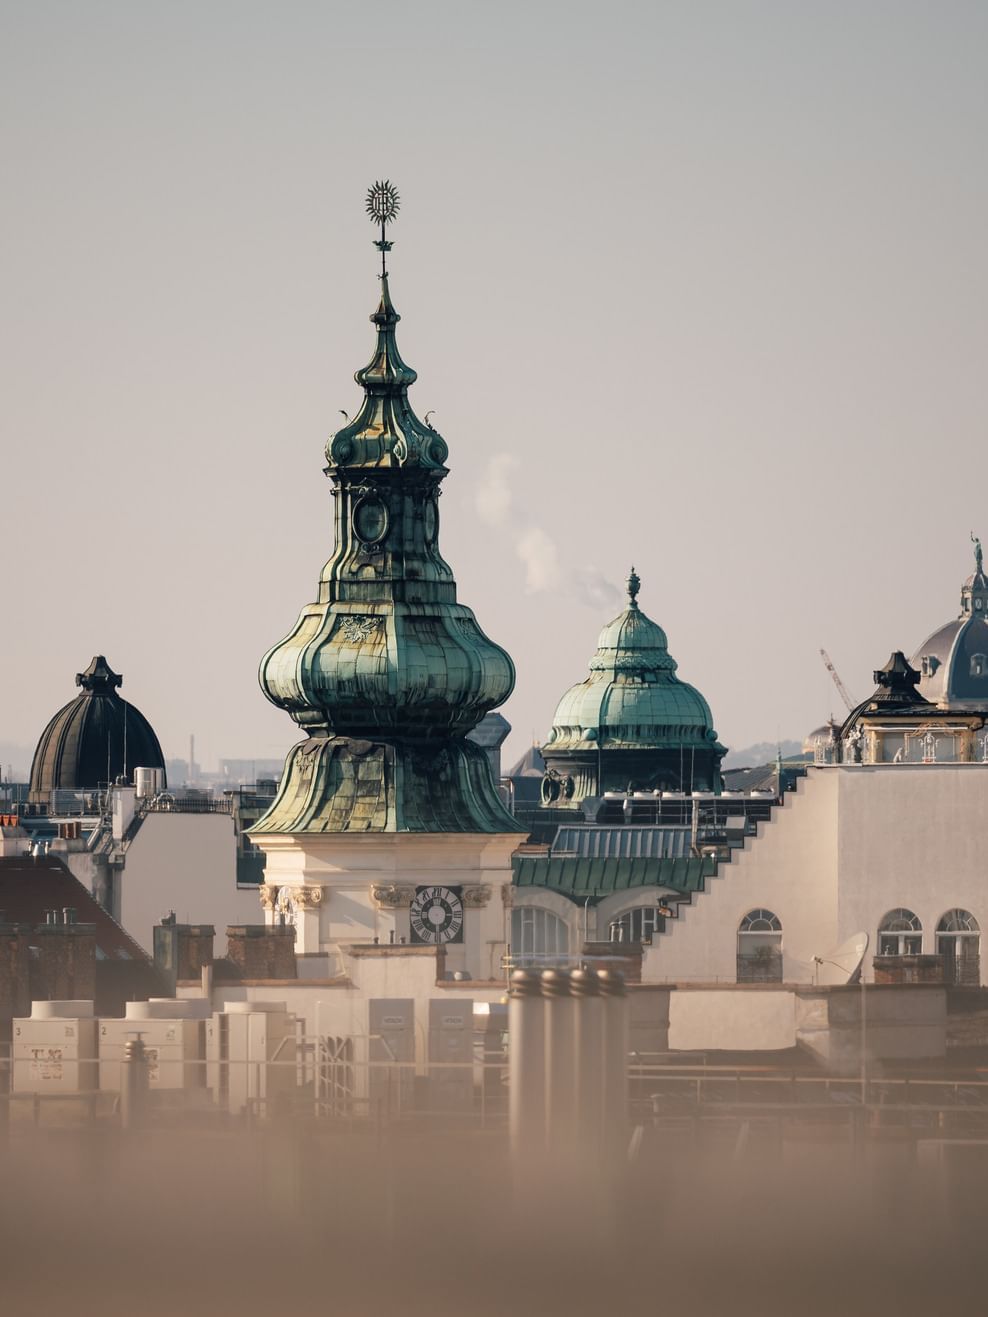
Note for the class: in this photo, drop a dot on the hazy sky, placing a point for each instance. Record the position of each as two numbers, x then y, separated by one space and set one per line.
697 286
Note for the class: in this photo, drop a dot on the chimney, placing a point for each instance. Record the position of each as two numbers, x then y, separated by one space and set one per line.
183 951
625 956
262 951
65 966
15 959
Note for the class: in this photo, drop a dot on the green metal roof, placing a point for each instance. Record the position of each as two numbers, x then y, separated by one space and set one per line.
632 697
581 877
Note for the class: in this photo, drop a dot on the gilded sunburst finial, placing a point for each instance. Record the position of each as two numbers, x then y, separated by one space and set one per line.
383 204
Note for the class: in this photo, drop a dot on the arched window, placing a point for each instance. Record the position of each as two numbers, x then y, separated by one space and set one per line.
900 934
638 925
538 938
979 665
760 948
959 942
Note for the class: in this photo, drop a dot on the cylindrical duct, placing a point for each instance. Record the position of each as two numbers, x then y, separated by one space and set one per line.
560 1062
134 1079
526 1087
614 1000
589 1060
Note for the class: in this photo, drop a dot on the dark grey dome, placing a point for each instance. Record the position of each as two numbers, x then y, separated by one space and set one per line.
953 661
953 665
94 739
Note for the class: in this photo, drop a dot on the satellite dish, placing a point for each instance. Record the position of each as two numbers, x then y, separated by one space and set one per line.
844 964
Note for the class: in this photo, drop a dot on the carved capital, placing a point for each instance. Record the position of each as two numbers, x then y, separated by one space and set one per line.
392 896
308 898
268 897
476 896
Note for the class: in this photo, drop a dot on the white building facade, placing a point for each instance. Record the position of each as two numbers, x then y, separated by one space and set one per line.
894 851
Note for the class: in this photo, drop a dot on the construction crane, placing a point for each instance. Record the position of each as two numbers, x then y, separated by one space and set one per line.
837 681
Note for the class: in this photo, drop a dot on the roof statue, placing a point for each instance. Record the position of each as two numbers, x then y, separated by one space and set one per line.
94 739
632 721
978 557
386 672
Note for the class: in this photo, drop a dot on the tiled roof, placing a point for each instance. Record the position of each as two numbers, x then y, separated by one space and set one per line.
29 887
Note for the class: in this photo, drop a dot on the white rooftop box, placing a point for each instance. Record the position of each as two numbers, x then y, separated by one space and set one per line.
62 1010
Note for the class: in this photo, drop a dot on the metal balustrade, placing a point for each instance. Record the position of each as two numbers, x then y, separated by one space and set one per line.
329 1081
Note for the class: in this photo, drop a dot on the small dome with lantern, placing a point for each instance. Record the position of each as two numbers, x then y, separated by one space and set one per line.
93 739
632 723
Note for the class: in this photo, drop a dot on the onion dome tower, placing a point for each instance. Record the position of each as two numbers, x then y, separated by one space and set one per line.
386 672
953 661
632 724
93 740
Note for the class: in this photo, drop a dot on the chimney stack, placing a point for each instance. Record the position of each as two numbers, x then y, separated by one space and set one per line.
262 951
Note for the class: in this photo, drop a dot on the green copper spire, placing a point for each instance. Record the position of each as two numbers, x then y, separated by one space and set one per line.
386 672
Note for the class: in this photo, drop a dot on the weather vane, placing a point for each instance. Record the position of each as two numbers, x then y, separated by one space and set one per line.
382 207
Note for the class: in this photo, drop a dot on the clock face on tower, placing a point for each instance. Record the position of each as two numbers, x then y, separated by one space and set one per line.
436 915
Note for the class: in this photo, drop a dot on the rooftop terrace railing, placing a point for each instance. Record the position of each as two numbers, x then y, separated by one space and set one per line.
166 803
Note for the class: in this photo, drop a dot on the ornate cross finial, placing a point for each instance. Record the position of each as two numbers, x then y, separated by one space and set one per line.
978 555
383 203
634 585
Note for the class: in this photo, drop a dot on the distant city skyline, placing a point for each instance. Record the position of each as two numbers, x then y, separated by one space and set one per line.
698 287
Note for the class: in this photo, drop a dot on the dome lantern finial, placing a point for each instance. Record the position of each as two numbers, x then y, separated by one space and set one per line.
99 678
634 585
